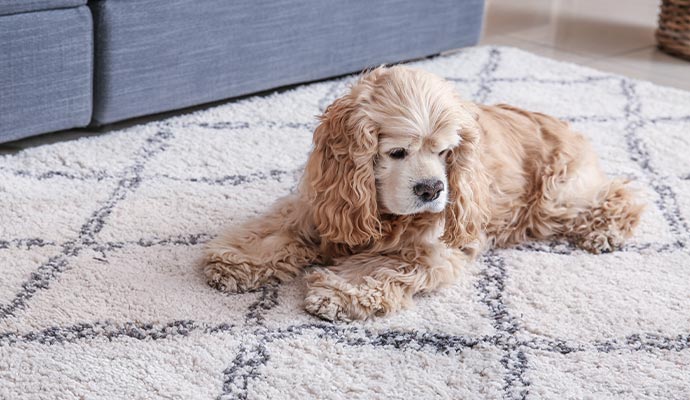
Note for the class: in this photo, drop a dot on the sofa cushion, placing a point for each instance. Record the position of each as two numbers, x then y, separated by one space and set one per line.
19 6
46 61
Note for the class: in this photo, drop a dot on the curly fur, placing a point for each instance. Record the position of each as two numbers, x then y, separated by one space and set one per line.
508 176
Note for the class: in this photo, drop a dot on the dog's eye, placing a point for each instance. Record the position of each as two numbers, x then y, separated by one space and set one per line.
398 154
444 152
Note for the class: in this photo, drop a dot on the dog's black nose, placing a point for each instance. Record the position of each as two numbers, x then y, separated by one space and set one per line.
428 190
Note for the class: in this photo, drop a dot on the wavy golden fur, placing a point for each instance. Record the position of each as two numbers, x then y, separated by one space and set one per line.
406 183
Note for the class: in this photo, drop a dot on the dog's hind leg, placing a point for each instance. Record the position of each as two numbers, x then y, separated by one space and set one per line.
597 213
606 224
266 249
366 285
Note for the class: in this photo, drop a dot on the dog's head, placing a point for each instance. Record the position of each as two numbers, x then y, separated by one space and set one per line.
400 142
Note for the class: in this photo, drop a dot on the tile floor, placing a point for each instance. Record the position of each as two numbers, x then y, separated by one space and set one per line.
610 35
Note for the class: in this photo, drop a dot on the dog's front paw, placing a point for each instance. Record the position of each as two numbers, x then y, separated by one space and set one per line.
333 299
601 242
231 278
325 304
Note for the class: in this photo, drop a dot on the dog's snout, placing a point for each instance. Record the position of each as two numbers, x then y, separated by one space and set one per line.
428 190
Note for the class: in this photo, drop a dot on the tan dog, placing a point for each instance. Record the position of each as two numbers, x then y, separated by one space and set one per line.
406 184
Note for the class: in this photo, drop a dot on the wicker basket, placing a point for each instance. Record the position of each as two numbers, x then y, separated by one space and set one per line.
673 34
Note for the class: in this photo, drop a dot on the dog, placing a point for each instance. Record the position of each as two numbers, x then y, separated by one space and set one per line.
407 182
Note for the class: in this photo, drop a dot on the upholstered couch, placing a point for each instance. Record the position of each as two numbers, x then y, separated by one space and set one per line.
67 64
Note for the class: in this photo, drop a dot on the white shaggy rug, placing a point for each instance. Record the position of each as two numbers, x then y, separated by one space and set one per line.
100 237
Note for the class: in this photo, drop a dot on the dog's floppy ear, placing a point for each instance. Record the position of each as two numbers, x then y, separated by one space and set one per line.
339 176
467 212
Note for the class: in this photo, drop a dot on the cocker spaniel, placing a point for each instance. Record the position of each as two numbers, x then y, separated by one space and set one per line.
406 183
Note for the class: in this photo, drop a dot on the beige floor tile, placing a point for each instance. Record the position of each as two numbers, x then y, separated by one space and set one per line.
648 64
654 62
503 17
544 51
609 35
593 28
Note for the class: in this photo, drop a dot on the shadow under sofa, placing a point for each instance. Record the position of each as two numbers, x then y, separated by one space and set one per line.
67 64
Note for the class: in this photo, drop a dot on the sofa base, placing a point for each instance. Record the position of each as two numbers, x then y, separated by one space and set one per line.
45 71
158 55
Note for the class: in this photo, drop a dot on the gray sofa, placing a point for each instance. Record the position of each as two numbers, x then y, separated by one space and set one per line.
67 64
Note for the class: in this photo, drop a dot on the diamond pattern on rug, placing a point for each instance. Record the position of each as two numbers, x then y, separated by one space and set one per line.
21 257
615 301
102 295
55 213
611 375
178 361
460 372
